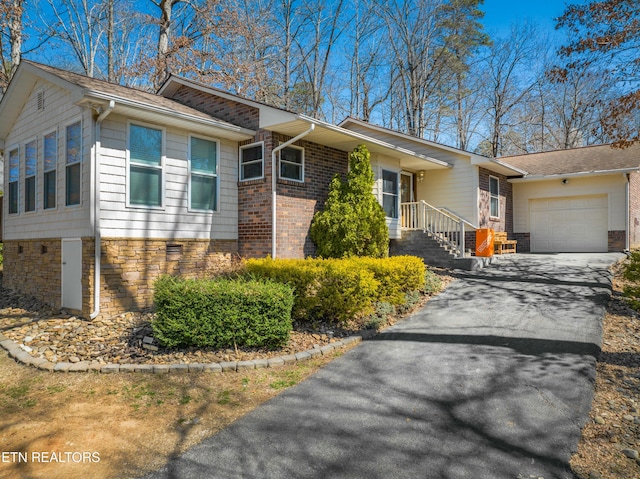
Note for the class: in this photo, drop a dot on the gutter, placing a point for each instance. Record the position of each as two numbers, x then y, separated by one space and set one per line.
582 174
274 207
627 240
95 198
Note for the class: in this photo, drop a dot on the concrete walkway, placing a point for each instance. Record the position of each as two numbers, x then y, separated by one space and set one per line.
492 379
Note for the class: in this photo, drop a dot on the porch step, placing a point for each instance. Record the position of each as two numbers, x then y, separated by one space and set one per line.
422 245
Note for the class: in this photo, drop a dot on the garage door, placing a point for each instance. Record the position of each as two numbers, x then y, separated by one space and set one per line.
573 224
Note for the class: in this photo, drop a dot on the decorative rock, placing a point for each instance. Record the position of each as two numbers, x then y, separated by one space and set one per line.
599 420
631 453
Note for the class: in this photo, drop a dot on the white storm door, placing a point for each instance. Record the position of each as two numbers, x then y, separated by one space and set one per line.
72 274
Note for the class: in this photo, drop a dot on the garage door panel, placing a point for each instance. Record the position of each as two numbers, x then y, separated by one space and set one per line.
570 224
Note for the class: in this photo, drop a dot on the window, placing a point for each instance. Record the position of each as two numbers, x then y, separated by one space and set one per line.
203 165
292 163
251 161
14 179
30 159
390 193
50 165
494 194
145 166
73 148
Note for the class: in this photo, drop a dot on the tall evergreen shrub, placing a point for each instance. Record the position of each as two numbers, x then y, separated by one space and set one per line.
352 222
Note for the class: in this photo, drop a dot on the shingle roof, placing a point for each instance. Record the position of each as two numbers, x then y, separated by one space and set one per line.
589 159
111 89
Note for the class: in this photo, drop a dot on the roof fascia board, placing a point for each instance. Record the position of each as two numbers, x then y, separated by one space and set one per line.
530 178
105 97
416 139
369 139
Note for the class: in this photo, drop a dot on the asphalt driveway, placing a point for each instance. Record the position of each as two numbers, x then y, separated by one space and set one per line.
492 379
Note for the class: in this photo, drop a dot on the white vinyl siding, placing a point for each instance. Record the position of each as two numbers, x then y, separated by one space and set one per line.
613 186
176 219
57 113
252 161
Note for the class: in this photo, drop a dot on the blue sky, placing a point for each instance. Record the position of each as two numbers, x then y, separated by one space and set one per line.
499 14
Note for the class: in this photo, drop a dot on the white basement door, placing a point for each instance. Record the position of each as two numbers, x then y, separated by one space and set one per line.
576 224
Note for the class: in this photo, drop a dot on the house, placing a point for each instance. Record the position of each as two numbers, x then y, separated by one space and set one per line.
109 187
578 200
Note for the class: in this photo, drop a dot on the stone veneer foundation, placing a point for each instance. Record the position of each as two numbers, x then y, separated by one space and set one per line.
129 268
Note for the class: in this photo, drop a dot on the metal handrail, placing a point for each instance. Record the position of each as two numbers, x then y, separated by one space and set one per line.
443 225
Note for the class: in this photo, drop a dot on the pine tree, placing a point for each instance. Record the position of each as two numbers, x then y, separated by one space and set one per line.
353 222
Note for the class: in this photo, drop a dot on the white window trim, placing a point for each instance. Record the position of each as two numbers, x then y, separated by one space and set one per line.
163 157
17 182
497 196
397 195
293 147
216 175
244 147
80 161
45 171
35 176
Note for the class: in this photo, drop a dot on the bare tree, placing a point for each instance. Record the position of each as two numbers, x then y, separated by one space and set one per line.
11 25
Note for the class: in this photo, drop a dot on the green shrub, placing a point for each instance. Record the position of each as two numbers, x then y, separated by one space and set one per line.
432 282
341 289
632 273
222 313
352 223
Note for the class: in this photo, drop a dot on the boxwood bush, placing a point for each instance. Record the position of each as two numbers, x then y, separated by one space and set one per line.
222 313
341 289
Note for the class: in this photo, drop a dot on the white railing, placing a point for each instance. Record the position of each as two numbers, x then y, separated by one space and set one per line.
443 225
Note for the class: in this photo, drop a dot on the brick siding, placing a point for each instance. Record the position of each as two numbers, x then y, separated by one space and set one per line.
616 241
505 221
297 202
240 114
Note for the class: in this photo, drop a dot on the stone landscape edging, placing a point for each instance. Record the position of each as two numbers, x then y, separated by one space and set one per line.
20 355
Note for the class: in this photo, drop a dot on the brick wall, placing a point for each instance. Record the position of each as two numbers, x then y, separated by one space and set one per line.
297 202
230 111
634 210
616 241
524 242
505 221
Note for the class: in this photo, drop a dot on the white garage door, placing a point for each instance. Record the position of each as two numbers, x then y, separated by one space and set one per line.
572 224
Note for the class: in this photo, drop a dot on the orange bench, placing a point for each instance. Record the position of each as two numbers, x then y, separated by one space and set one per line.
502 245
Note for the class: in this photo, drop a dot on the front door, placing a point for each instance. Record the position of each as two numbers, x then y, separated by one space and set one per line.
72 274
406 187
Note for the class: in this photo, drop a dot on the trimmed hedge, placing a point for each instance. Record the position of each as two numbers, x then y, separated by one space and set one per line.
341 289
222 313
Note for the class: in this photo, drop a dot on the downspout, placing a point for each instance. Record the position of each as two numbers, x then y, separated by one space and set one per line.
627 240
274 208
95 196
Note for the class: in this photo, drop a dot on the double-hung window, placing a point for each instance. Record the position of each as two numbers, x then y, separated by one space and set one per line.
390 193
73 160
251 161
203 166
145 166
292 163
50 156
14 180
30 162
494 194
